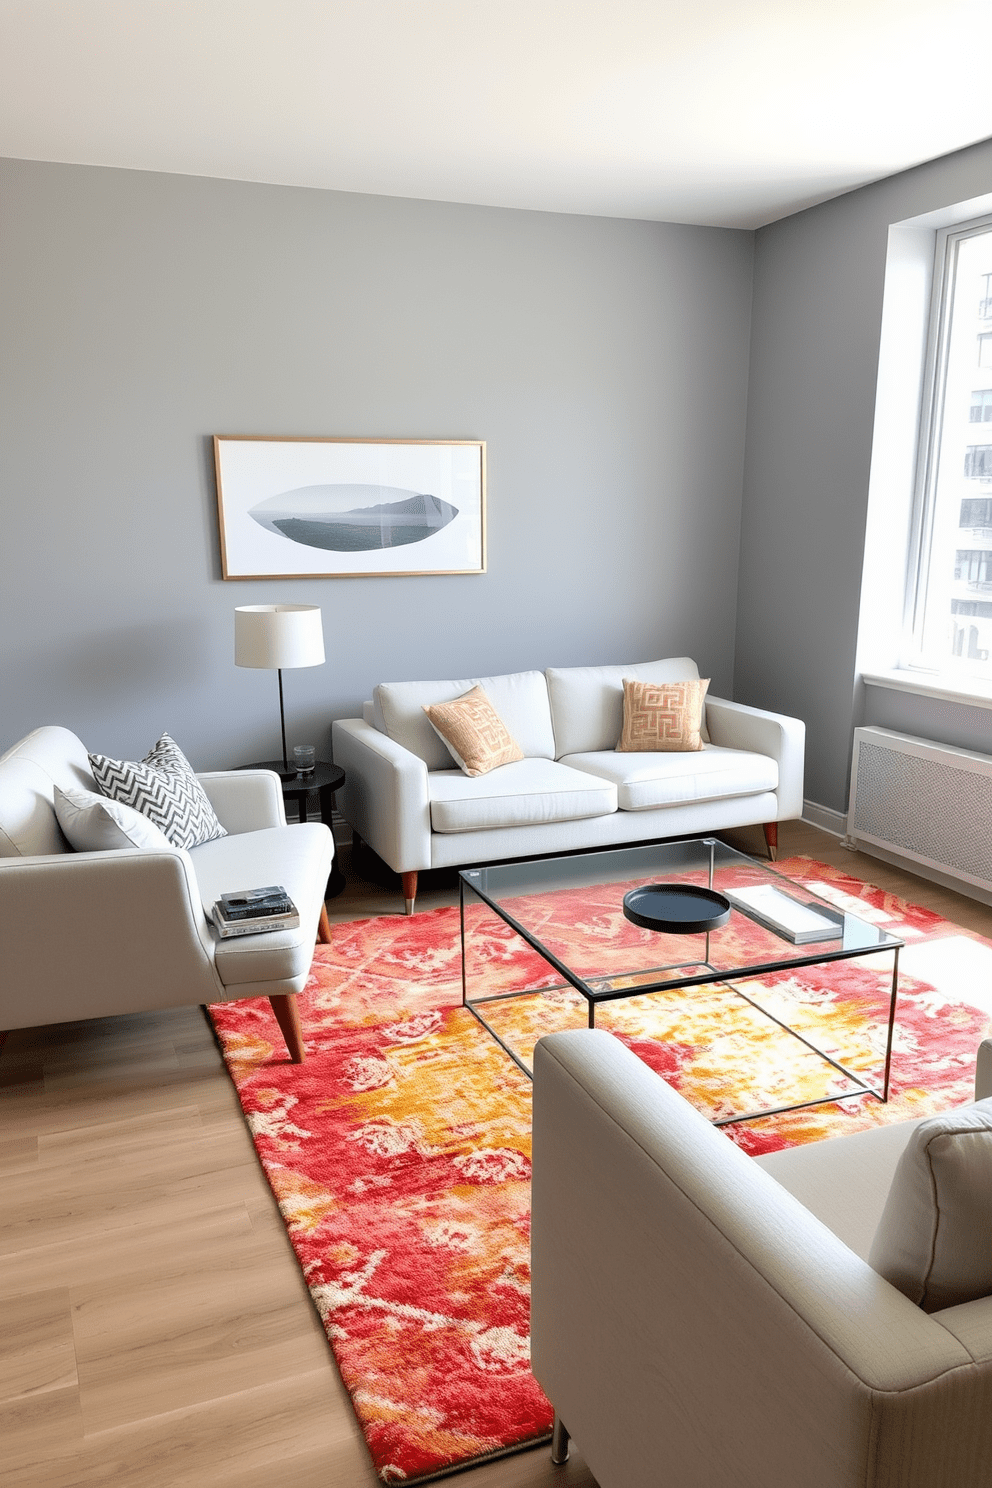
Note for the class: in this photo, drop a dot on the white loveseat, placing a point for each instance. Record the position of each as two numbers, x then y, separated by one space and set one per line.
90 934
404 796
701 1317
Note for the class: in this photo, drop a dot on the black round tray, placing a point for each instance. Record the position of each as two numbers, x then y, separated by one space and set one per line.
676 909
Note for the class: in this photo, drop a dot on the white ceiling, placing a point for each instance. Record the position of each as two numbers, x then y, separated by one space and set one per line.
725 112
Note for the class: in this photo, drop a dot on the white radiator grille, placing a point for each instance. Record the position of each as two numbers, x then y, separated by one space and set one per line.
929 801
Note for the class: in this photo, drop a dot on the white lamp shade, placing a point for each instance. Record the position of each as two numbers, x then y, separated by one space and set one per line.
278 636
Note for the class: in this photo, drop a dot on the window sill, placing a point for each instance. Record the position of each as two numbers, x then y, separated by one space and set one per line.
933 685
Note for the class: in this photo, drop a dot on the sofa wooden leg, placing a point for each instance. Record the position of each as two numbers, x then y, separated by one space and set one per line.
409 891
288 1018
559 1442
770 830
324 927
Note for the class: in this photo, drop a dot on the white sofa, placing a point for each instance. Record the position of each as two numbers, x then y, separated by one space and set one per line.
701 1317
404 796
89 934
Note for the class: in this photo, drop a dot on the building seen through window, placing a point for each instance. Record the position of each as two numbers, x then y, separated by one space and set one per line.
981 406
953 611
978 461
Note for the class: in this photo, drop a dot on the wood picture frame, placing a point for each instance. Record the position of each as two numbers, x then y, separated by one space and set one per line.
327 507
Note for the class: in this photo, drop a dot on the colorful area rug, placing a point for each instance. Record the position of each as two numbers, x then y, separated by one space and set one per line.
399 1153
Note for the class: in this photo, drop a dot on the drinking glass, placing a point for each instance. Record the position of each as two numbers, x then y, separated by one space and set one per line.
305 756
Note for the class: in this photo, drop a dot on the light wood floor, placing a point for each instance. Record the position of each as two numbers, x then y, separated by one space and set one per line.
154 1325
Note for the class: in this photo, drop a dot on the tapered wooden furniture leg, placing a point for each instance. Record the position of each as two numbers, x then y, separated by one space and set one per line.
324 927
288 1018
409 891
771 839
559 1442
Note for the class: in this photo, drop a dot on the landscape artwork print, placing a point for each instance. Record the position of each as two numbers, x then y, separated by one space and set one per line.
338 508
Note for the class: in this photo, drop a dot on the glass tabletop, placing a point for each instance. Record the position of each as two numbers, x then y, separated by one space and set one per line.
570 909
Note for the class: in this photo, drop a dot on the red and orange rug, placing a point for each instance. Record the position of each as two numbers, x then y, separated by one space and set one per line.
400 1152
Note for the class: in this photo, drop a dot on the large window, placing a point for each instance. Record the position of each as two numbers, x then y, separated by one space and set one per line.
950 618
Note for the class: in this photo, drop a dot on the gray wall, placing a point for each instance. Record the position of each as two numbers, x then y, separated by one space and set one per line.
817 308
605 363
936 718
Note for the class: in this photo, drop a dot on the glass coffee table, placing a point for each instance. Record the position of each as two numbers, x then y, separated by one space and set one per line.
547 945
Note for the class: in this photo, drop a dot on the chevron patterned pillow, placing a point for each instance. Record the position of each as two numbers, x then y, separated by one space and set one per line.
164 788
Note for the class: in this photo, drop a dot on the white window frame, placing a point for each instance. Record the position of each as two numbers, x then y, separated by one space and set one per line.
913 658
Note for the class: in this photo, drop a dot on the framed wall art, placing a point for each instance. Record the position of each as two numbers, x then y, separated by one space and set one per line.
350 508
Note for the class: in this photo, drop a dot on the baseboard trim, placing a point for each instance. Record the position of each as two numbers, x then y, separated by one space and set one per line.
824 817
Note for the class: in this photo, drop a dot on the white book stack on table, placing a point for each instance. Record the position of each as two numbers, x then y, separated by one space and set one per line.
800 923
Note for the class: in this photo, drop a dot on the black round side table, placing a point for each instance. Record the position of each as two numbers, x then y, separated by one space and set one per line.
323 781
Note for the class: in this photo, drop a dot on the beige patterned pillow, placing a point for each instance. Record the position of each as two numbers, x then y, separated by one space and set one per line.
663 716
474 732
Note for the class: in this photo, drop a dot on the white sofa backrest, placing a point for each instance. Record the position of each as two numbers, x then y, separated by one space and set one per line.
29 773
587 702
520 699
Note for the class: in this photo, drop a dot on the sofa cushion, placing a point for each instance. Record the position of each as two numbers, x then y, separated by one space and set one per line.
520 699
518 795
646 781
662 717
933 1239
164 787
92 823
29 773
295 856
587 702
474 733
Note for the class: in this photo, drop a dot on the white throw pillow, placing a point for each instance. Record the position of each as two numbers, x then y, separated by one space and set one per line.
94 823
934 1239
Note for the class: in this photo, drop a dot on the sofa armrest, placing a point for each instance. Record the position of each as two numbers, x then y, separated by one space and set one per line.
680 1296
85 935
385 796
783 739
245 800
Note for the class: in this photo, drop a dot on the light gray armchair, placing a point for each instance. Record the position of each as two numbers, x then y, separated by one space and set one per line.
90 934
701 1317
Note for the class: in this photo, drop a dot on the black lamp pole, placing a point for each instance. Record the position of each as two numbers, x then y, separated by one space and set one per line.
282 722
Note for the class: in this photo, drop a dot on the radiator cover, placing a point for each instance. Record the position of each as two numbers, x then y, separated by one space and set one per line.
927 802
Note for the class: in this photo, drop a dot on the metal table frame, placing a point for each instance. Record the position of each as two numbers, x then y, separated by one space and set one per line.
709 976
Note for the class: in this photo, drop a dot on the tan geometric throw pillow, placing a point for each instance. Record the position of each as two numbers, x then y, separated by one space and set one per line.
662 716
474 732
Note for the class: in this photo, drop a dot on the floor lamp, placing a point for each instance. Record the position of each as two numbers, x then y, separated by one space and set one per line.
277 636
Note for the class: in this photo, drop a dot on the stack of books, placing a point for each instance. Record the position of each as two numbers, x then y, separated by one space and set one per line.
790 918
253 911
